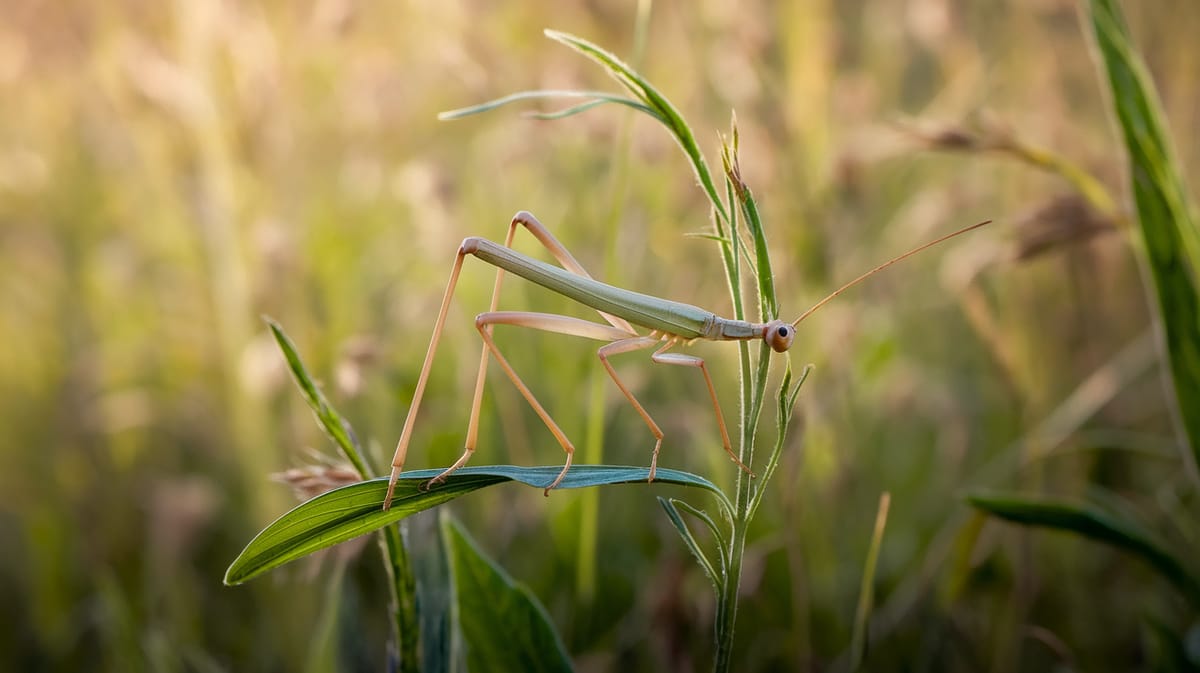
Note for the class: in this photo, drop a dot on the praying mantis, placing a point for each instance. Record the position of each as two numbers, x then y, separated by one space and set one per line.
670 324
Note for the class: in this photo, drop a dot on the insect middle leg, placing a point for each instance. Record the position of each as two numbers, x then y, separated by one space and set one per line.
560 324
660 356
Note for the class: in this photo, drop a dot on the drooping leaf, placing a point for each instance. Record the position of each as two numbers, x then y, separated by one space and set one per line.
1170 236
1093 523
357 509
504 626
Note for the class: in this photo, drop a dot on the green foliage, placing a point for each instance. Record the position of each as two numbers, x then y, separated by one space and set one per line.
401 584
1096 524
329 419
725 574
169 172
1169 233
357 509
503 625
1170 241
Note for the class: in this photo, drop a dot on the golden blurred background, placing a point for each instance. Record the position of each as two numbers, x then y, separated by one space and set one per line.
169 172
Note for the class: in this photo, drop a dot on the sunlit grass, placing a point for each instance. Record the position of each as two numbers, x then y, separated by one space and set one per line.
169 173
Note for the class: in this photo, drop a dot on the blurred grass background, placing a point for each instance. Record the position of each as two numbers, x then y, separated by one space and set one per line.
170 172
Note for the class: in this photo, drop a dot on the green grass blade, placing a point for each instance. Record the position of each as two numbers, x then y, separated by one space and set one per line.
594 98
354 510
866 592
1093 523
768 306
1169 234
571 111
663 109
334 425
504 626
670 507
395 555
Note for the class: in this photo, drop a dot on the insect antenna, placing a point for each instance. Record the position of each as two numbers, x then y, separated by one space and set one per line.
883 266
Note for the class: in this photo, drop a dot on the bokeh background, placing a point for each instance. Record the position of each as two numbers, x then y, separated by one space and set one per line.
171 171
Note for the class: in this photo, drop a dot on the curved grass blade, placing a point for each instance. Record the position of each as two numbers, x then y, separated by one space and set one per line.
594 98
503 624
658 105
1093 523
354 510
568 112
1170 235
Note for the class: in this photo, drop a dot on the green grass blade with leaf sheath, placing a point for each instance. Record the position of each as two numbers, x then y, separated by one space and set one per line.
1169 233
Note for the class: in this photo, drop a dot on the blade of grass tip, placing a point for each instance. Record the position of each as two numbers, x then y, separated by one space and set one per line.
595 98
334 425
1170 237
866 594
667 114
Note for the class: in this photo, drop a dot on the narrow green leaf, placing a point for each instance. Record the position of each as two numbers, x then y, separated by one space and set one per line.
595 98
568 112
785 408
1090 522
1170 236
764 276
664 111
357 509
866 591
689 540
328 417
504 626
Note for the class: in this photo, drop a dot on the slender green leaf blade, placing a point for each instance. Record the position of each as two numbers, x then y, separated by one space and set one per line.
335 426
357 509
1090 522
866 590
662 109
669 506
504 626
594 98
1170 235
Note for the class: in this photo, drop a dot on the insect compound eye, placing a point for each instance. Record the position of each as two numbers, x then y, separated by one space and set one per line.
779 337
